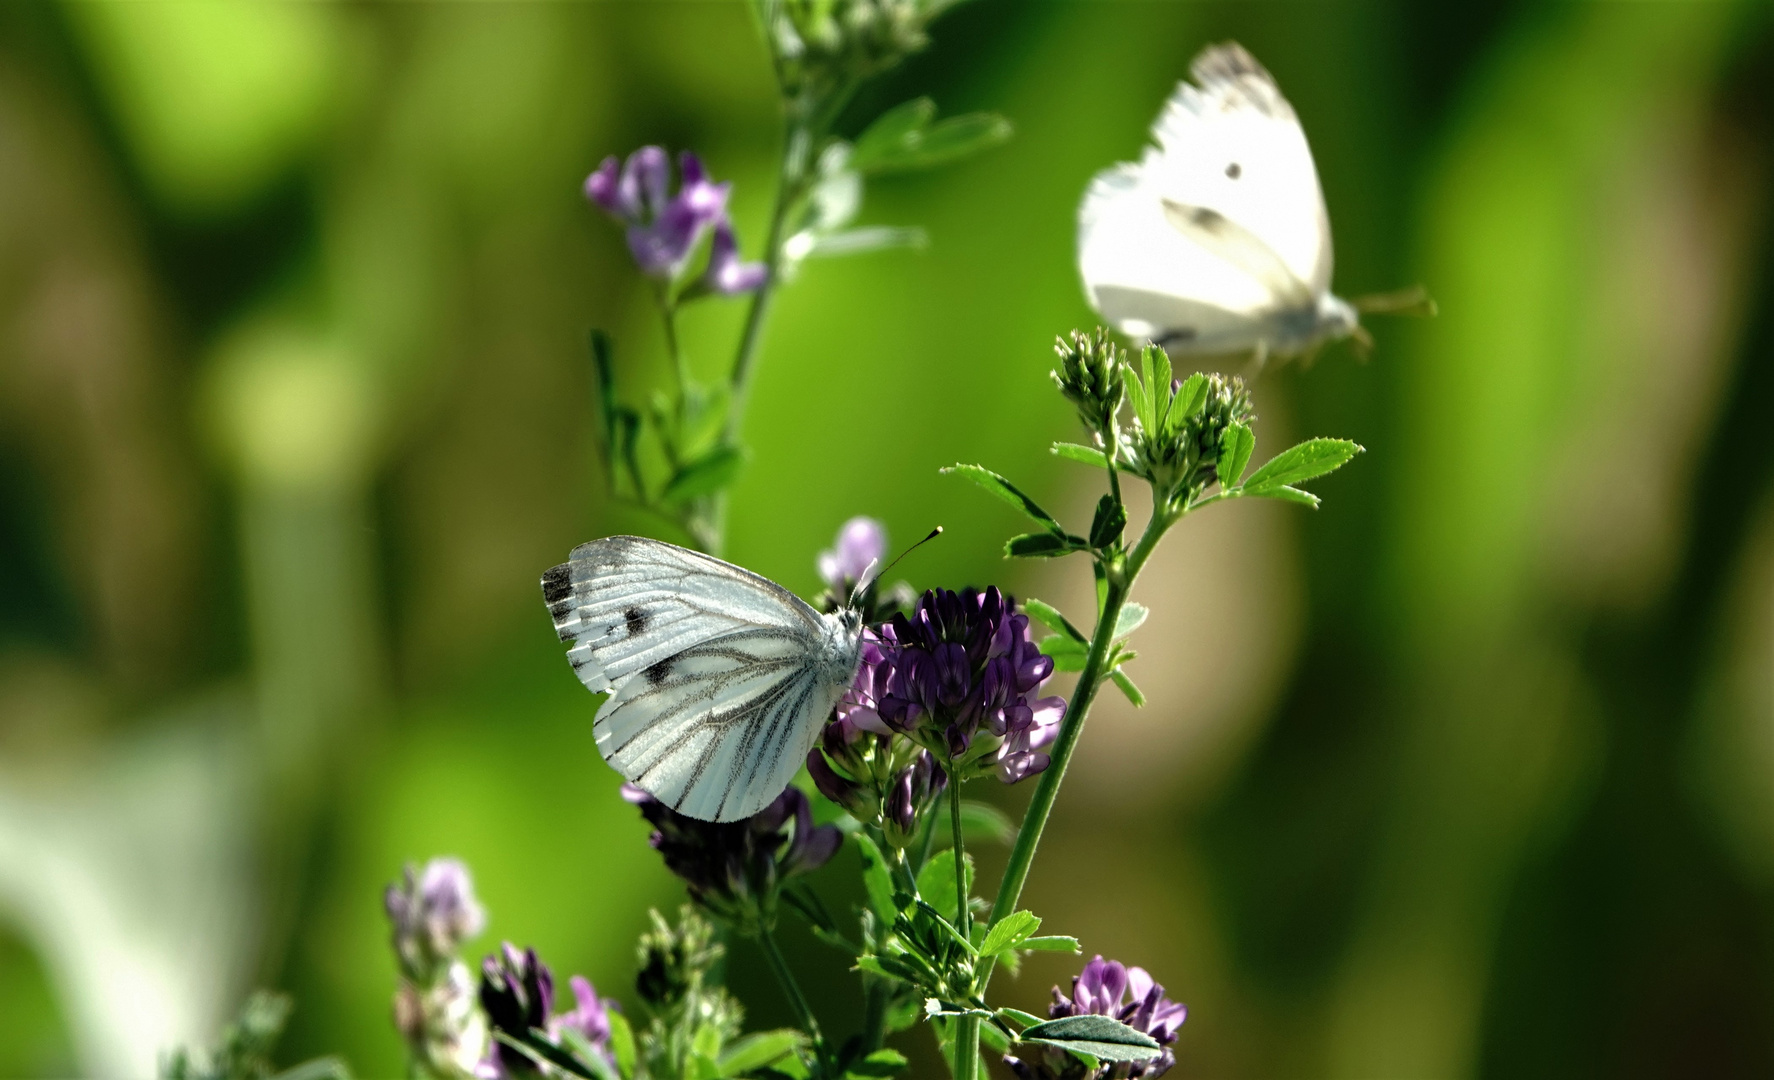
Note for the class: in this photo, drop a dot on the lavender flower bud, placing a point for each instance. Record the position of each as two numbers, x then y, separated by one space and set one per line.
433 913
912 793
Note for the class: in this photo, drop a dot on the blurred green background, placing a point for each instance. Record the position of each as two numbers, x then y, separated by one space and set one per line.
1470 773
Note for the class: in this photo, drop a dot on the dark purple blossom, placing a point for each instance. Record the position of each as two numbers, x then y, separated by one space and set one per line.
962 666
517 994
733 868
913 790
726 274
1106 988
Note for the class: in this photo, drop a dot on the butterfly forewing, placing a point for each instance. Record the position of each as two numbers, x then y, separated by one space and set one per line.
719 680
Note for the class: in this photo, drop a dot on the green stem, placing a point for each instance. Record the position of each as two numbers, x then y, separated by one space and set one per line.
1028 837
668 313
875 992
967 1048
787 192
796 1000
961 913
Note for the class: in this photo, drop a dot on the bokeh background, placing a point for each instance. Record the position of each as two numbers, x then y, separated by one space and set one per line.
1469 773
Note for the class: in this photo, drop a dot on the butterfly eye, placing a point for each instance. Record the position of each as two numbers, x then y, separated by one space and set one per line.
1234 170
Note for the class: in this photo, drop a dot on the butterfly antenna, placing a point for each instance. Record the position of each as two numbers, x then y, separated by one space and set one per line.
1363 343
1412 301
865 579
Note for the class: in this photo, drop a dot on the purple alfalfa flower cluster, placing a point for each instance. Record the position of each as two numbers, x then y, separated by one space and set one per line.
734 869
451 1029
517 996
1107 988
664 227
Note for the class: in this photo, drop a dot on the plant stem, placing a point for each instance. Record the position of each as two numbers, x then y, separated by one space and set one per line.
668 313
1028 837
787 191
967 1048
961 913
874 1013
796 1000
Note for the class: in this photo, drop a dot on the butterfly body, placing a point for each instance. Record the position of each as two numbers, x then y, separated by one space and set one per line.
719 680
1217 241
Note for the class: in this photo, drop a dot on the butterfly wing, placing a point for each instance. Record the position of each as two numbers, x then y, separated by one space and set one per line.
716 677
1219 226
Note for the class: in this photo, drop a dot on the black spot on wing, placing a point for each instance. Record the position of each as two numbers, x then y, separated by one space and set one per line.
637 621
557 584
658 673
1234 171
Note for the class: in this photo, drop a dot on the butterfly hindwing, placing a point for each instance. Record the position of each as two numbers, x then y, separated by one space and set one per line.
715 689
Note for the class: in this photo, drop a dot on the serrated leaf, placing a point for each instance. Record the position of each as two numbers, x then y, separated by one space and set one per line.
1128 688
1132 617
1102 1037
1007 491
877 880
1302 461
1068 655
1050 943
1041 546
706 475
985 822
1009 931
1288 494
1108 522
1084 455
1191 396
1049 616
936 885
1236 446
1158 385
758 1050
1137 397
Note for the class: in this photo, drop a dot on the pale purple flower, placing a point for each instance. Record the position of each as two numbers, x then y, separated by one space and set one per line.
726 274
433 912
1107 988
663 228
860 543
590 1015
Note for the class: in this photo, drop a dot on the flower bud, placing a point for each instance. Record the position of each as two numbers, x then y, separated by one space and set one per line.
1089 376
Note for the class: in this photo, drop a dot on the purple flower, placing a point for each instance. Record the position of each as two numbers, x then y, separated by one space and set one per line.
861 543
1106 988
516 993
726 274
663 228
590 1015
733 868
433 912
962 667
912 792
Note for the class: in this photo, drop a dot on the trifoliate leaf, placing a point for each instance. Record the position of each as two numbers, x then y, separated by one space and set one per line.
1288 494
1049 616
706 475
1302 461
1009 932
877 880
936 885
1236 446
1068 655
1191 396
1043 546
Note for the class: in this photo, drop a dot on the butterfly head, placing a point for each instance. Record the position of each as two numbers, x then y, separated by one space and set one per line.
1337 318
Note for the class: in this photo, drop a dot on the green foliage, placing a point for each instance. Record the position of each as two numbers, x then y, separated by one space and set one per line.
244 1050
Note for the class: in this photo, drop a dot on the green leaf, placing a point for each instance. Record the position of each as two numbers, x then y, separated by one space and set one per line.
1084 455
883 1062
621 1043
1132 617
1009 931
1052 943
705 417
1128 688
993 1038
1302 461
537 1046
603 363
586 1054
936 885
1287 494
1102 1037
756 1051
890 131
1049 616
1043 546
877 880
985 822
706 475
1157 398
1007 491
1191 396
1108 522
1156 364
1137 397
1022 1018
940 143
1068 655
866 239
892 967
1236 446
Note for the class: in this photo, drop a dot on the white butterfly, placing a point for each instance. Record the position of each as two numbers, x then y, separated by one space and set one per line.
719 680
1217 241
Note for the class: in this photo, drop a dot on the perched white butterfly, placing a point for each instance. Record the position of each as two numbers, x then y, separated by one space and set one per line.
719 680
1217 242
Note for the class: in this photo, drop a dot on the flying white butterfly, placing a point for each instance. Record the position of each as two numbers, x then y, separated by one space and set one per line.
719 680
1217 242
